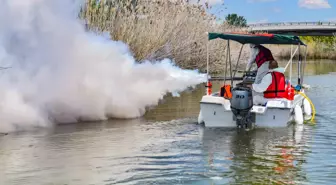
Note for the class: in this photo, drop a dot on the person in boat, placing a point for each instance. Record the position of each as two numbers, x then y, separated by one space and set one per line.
272 85
261 56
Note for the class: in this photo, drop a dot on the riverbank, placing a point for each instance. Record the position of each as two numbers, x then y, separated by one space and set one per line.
160 29
315 51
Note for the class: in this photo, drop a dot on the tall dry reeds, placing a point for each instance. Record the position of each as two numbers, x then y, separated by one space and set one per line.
157 29
315 50
312 54
319 47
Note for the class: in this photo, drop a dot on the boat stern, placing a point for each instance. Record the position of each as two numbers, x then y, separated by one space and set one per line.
215 112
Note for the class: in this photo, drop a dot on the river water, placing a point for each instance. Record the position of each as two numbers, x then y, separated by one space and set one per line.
167 146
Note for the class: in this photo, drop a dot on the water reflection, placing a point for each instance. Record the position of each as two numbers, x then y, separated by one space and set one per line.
187 105
262 156
70 154
316 67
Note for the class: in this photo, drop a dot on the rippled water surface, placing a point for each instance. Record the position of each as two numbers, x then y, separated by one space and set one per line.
167 146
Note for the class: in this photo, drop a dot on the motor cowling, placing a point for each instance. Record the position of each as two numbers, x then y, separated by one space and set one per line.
241 98
241 104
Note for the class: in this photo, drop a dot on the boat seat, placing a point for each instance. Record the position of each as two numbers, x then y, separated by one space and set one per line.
273 101
276 102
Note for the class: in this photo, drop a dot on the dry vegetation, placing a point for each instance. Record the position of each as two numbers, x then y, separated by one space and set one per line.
175 29
157 29
318 48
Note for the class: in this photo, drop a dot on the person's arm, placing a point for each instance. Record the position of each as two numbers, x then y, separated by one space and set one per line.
253 55
264 84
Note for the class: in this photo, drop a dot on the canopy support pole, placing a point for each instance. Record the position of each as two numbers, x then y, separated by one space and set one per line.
299 67
304 65
207 60
291 59
226 60
240 52
230 62
291 66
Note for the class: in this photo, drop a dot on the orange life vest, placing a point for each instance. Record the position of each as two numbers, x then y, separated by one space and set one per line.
225 91
263 55
277 88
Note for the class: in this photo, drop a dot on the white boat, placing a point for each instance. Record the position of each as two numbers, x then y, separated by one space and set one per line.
238 110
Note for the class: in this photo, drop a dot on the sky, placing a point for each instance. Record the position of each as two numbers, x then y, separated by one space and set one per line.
263 11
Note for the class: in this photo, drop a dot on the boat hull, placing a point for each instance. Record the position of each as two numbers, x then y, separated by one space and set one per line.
215 111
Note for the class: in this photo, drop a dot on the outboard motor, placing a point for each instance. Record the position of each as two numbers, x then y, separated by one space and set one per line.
241 104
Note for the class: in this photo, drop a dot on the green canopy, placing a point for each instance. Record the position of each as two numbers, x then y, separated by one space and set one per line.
257 38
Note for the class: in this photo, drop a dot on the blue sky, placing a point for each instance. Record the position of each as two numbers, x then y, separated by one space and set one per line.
260 11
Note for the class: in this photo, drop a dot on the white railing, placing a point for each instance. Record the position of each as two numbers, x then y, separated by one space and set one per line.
294 24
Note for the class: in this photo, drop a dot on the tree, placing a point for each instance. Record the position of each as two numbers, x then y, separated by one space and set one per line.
235 20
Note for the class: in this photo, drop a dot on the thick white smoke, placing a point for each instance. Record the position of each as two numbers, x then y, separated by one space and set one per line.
60 73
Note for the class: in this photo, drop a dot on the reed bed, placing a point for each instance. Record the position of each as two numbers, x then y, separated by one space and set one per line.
157 29
315 51
175 29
